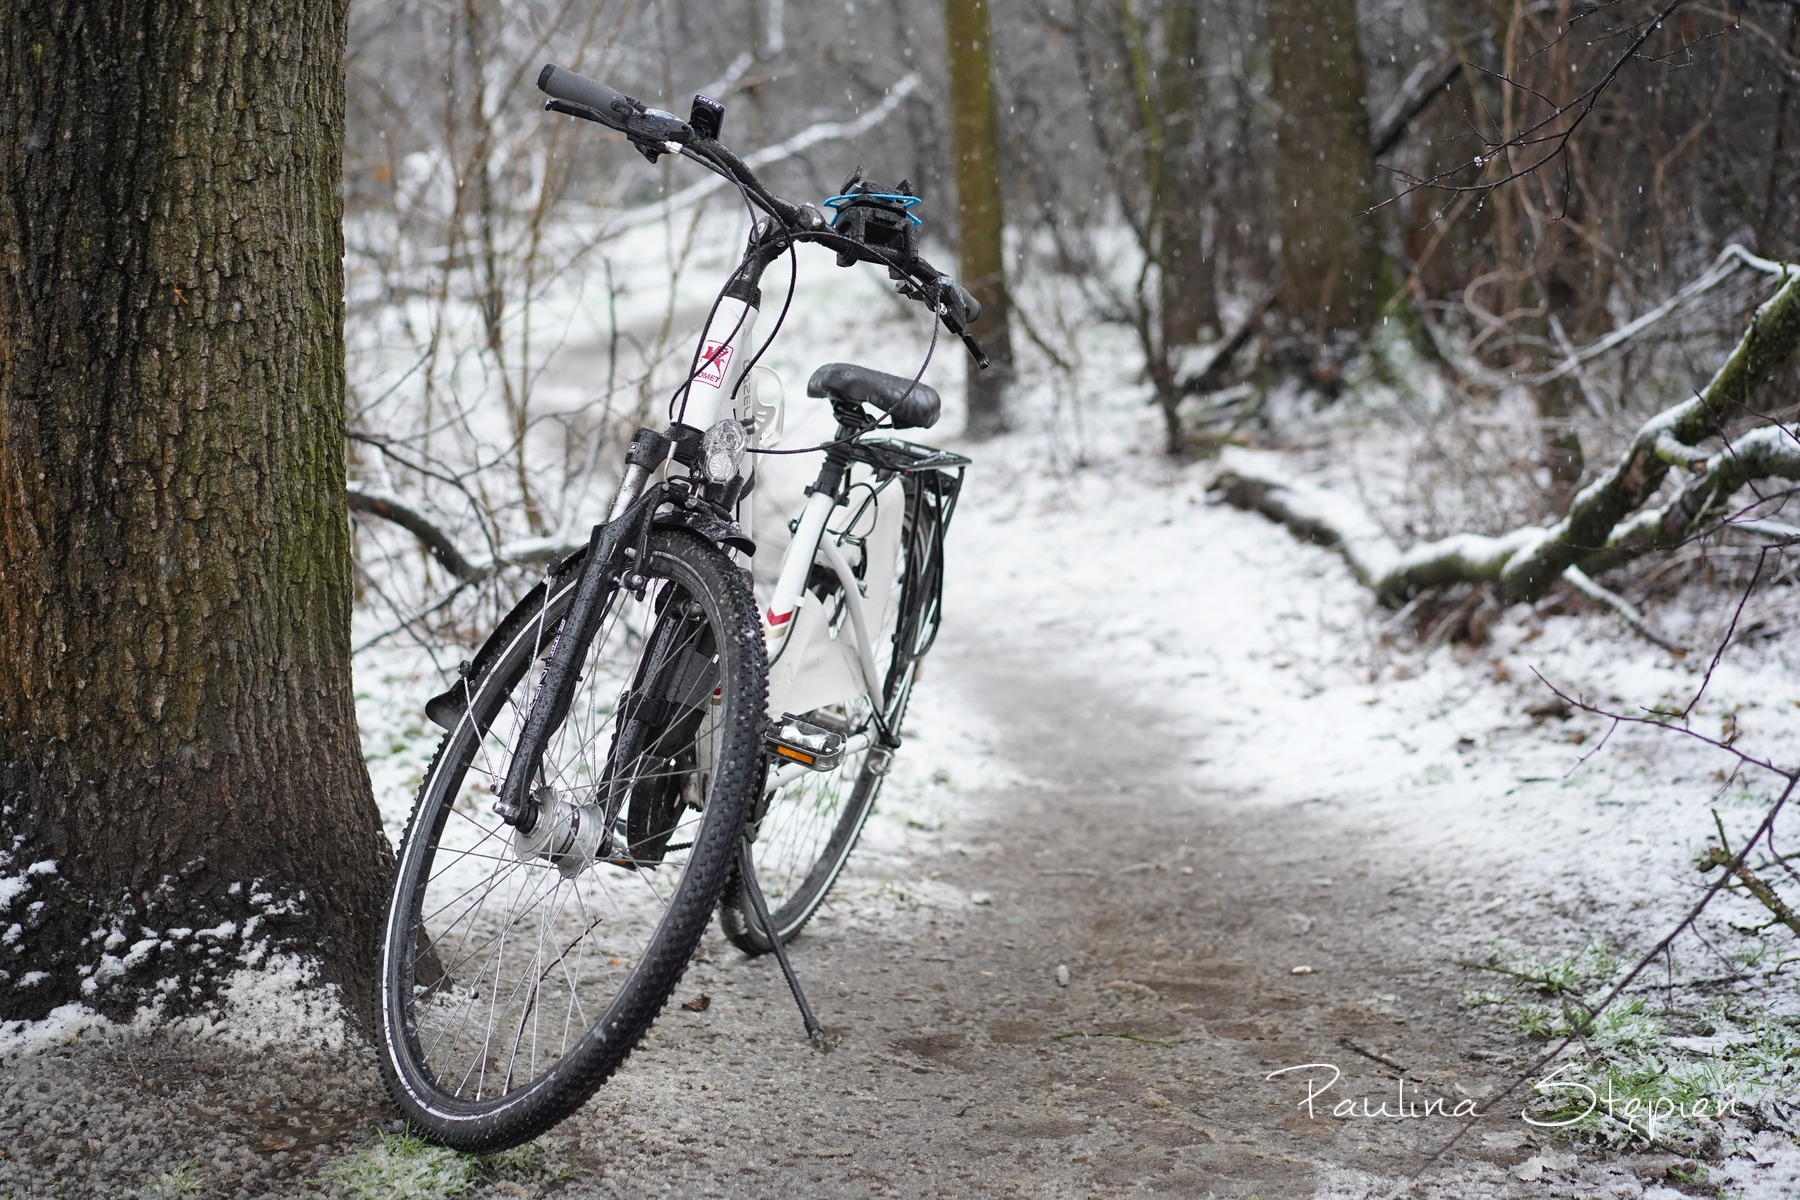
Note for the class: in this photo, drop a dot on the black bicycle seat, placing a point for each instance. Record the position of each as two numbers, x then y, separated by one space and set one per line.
910 405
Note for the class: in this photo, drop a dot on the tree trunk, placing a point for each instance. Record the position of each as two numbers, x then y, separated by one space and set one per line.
1189 304
182 785
980 244
1324 168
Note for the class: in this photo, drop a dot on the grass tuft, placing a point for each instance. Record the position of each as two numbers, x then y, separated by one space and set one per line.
402 1167
1635 1075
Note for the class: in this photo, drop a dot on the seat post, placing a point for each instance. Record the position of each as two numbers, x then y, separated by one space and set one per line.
833 471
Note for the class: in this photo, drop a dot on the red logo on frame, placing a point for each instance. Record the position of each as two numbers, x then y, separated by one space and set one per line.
713 361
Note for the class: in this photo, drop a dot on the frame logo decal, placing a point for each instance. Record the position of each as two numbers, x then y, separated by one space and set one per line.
713 361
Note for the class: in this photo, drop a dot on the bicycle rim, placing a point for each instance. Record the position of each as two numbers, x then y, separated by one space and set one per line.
519 967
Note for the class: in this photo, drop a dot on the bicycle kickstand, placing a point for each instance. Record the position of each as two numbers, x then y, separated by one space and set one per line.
747 871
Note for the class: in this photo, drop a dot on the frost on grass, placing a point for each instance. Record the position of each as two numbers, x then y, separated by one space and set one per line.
398 1167
402 1167
1666 1068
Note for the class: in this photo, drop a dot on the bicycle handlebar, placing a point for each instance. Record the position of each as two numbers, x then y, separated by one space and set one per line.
655 132
561 83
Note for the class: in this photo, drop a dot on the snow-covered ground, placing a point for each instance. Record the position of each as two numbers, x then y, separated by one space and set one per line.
1288 686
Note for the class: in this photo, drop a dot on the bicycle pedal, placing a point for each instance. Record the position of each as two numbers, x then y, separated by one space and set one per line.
803 742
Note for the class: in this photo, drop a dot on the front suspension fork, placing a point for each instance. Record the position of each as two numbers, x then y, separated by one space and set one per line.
556 691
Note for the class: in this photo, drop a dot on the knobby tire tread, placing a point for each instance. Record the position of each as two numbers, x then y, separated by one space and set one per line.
712 865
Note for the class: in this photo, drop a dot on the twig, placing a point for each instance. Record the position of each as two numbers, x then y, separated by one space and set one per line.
1731 629
1720 856
1385 1061
1576 579
1130 1037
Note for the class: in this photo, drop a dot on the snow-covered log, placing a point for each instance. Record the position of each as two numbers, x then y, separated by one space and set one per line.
1600 531
1600 506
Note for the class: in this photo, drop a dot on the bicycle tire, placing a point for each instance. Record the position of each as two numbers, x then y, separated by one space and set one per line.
809 827
505 1002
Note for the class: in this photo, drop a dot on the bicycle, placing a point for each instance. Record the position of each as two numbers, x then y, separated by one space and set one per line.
635 725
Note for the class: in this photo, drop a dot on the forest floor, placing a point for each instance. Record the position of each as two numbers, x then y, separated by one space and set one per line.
1174 816
1179 809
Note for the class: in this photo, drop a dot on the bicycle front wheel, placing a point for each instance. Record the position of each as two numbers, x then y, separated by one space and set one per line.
519 966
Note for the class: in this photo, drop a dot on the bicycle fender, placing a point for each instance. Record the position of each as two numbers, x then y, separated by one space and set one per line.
446 708
708 525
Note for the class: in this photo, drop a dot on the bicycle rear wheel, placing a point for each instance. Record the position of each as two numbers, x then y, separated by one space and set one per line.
811 820
518 968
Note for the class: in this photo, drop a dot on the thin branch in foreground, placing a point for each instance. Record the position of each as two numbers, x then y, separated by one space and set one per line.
1539 134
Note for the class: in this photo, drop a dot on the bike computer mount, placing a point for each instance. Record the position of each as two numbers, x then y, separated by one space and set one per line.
870 215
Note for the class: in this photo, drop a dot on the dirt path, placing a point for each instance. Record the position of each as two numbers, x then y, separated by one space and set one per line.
964 1067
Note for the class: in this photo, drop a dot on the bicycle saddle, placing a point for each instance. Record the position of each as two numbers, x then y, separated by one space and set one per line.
847 383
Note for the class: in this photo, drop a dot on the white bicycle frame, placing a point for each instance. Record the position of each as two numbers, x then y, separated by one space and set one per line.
812 663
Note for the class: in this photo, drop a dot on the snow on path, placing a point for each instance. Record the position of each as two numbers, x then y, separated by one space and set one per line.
1274 659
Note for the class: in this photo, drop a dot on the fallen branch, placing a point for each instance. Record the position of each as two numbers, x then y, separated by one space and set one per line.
1211 377
466 568
1596 536
1640 625
1730 261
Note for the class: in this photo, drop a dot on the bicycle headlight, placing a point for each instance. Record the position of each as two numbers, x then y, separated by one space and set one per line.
722 450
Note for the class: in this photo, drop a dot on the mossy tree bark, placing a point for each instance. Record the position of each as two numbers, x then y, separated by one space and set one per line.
1324 167
980 216
182 785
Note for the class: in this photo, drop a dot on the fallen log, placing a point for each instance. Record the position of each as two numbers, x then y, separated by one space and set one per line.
1600 532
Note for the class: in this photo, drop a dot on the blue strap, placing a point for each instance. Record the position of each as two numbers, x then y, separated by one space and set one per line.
839 203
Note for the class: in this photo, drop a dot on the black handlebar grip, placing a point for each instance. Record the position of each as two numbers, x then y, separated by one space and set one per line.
564 84
970 306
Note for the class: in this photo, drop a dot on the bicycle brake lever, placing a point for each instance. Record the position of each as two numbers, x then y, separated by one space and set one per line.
974 348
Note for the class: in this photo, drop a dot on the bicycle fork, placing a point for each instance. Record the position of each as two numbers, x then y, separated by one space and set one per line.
593 593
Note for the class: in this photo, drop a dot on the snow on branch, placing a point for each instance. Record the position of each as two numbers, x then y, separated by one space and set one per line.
1255 480
465 567
1730 261
1773 333
1600 531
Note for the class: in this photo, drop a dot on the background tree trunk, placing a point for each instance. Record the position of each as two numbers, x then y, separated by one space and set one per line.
980 244
177 729
1324 168
1189 302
